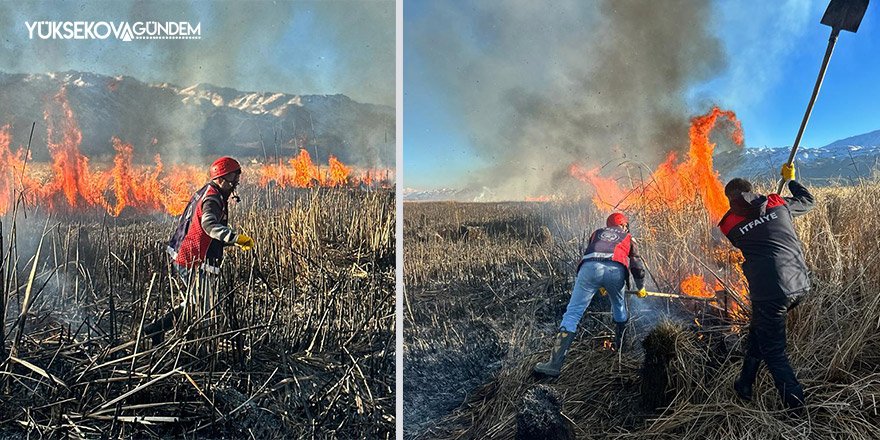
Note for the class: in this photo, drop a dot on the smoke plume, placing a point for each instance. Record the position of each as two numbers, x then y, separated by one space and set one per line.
304 47
540 86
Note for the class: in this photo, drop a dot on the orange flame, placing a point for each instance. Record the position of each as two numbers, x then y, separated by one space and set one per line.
303 173
72 184
673 183
306 174
696 286
11 164
338 173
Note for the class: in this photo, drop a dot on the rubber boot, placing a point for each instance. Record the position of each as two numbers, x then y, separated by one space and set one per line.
561 343
156 329
619 332
743 384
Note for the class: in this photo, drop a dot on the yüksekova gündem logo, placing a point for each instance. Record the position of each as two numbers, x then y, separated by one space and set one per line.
122 30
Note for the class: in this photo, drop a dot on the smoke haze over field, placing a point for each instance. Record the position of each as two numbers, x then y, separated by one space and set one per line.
305 47
576 81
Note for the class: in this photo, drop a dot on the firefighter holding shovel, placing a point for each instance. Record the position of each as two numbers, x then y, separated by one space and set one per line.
607 262
196 247
762 228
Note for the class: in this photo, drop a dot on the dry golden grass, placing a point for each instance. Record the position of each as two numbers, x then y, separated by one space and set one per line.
300 344
512 292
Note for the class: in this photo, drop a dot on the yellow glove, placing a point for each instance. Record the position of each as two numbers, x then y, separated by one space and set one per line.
245 242
642 293
787 171
603 292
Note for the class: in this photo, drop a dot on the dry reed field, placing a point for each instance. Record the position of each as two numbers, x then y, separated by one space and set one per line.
298 343
486 286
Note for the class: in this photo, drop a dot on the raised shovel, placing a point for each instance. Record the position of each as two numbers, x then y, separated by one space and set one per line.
841 15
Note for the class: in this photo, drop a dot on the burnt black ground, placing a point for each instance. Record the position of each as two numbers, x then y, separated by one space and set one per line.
464 337
439 379
540 416
454 353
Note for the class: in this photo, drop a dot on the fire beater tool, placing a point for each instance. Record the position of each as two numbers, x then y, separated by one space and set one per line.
671 295
841 15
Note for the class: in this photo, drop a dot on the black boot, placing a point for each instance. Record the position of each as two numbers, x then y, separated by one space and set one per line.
743 384
793 397
156 329
619 332
561 343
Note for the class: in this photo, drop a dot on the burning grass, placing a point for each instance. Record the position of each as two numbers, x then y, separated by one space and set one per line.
511 290
299 342
71 182
675 182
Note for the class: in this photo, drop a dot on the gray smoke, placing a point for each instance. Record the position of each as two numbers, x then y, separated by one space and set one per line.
540 86
349 46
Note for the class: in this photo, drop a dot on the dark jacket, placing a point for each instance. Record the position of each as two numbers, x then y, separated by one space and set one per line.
762 228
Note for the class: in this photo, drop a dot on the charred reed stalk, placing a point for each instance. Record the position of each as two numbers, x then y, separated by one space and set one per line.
481 309
298 341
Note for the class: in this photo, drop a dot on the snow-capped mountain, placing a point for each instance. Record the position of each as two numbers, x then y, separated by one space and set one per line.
842 161
202 120
871 138
440 194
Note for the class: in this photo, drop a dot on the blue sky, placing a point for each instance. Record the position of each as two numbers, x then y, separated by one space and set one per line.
301 47
771 53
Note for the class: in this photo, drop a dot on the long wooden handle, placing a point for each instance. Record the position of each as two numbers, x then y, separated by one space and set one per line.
797 141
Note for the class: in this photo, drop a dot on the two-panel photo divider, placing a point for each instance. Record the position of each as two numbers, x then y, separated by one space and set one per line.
458 219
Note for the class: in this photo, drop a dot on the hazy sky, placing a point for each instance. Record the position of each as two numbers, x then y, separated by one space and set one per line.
301 47
524 82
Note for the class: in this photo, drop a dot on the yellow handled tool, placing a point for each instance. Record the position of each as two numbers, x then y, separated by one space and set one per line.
670 295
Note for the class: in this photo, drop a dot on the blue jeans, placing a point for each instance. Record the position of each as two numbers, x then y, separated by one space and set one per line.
591 276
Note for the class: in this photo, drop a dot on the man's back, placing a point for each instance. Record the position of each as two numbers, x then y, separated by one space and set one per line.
762 228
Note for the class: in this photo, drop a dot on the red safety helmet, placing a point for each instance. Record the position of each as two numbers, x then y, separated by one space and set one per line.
616 219
223 166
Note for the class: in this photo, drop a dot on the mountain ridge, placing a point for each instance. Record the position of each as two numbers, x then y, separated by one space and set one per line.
842 161
198 121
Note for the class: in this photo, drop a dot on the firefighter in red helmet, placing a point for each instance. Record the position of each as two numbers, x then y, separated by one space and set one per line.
196 247
606 264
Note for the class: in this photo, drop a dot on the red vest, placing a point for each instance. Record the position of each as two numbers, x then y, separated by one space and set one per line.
611 244
195 247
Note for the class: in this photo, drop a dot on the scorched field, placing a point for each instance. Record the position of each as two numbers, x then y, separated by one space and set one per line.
298 341
487 284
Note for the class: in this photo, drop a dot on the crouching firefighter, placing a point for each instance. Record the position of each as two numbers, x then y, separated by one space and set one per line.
196 248
762 228
606 264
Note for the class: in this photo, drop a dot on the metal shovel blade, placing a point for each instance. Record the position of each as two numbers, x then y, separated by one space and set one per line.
845 14
841 15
